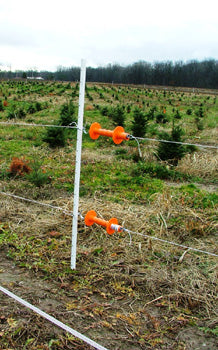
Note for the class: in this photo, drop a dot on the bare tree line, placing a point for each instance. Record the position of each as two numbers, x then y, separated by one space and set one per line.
202 74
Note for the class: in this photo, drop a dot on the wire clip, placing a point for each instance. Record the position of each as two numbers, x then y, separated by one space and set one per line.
118 134
111 225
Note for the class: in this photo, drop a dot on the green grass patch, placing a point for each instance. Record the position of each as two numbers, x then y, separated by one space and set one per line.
117 181
195 197
161 171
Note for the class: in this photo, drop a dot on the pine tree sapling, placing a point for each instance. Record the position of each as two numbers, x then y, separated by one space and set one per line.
31 109
189 111
38 176
38 106
118 115
177 115
55 137
128 109
67 114
139 124
199 123
151 113
161 118
200 112
172 152
20 113
10 115
104 111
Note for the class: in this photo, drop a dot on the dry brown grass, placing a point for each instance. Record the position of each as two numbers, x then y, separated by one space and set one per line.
203 164
168 275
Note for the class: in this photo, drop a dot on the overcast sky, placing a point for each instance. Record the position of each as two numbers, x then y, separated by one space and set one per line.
45 34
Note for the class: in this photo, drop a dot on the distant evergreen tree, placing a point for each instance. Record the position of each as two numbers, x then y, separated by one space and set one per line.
118 115
139 124
172 152
55 137
67 114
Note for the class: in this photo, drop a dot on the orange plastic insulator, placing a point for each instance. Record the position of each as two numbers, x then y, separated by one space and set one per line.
91 218
118 134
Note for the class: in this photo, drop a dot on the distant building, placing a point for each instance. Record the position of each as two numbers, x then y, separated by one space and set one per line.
35 78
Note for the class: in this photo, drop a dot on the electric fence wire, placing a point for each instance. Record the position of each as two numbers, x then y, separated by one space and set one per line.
123 229
40 125
72 125
170 242
131 137
37 202
174 142
52 319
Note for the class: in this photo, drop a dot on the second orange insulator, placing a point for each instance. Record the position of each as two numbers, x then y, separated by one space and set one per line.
91 218
118 134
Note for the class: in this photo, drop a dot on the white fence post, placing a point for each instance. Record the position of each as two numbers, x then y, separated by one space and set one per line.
78 163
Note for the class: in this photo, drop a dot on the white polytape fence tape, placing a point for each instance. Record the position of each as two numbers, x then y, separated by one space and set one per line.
52 319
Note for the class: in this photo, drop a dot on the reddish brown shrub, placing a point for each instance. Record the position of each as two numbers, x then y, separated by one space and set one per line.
89 108
19 167
5 103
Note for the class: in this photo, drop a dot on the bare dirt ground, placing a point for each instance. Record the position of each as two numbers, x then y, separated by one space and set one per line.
47 296
51 298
